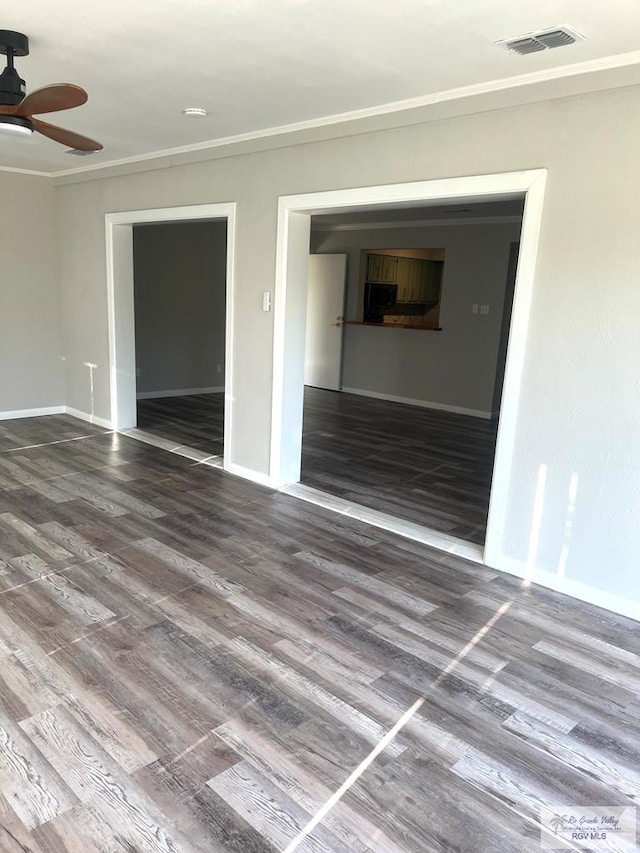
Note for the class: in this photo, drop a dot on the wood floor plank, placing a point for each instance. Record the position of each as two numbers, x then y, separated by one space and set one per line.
95 778
190 663
270 811
31 785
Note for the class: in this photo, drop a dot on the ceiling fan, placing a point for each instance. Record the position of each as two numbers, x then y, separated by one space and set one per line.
18 110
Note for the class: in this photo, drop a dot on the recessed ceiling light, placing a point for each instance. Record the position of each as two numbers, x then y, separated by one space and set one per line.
194 112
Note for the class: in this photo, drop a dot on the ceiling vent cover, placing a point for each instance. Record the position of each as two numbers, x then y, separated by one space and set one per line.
544 40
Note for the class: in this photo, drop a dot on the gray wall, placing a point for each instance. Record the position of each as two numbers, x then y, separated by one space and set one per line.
179 294
578 405
455 367
31 367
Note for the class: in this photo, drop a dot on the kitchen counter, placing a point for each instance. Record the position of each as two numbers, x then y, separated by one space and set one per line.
399 322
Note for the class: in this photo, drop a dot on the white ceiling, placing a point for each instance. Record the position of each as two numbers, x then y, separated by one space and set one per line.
259 64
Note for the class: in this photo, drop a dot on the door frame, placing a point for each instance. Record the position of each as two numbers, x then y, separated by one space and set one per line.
120 305
294 225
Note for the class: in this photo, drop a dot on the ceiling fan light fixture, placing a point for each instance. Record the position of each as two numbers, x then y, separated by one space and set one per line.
15 126
19 111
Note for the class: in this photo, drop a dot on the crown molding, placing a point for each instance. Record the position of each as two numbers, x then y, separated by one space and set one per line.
576 69
419 223
32 172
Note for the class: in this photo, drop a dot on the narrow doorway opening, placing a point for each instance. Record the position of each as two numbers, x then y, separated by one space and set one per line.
296 215
170 283
179 308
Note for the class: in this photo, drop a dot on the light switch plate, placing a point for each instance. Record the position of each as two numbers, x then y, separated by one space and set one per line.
266 300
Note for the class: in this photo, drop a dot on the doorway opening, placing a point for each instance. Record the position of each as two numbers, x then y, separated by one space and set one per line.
170 283
179 310
418 361
378 427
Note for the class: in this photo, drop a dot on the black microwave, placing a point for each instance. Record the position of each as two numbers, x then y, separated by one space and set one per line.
377 297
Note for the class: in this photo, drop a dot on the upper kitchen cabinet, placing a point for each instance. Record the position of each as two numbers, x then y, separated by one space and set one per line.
381 269
402 287
417 279
404 271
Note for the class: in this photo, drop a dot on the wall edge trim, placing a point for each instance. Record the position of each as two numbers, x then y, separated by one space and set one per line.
86 416
258 477
424 404
567 586
179 392
14 414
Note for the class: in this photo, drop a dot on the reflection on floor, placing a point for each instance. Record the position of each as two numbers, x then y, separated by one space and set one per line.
192 663
425 466
195 421
422 465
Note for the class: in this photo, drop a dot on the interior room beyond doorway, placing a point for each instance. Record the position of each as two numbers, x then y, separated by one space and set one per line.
179 297
412 431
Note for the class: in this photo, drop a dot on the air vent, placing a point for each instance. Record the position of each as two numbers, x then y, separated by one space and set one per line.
556 38
76 152
524 46
544 40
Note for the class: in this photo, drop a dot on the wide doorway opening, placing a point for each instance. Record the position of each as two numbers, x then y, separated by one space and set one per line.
411 426
408 312
170 283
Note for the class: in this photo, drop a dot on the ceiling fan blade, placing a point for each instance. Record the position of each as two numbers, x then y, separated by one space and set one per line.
50 99
66 137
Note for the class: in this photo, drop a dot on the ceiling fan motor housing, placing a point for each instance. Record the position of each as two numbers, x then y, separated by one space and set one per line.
12 86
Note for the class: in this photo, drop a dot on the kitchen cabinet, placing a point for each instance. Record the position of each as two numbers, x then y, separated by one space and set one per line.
416 286
374 264
432 281
389 266
403 279
381 269
418 280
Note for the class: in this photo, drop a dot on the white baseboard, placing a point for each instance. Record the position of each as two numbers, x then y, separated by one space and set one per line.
31 413
408 529
425 404
248 474
569 586
85 416
179 392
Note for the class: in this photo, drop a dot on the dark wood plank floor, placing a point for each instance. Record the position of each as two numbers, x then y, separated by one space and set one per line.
193 663
195 421
422 465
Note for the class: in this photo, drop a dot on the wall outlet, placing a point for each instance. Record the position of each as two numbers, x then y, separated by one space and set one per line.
484 309
218 368
474 308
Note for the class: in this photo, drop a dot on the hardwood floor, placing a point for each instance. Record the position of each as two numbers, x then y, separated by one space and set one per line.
422 465
195 421
191 662
425 466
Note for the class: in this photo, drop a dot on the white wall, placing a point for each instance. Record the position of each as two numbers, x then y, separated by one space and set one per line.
179 292
31 368
455 367
579 400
